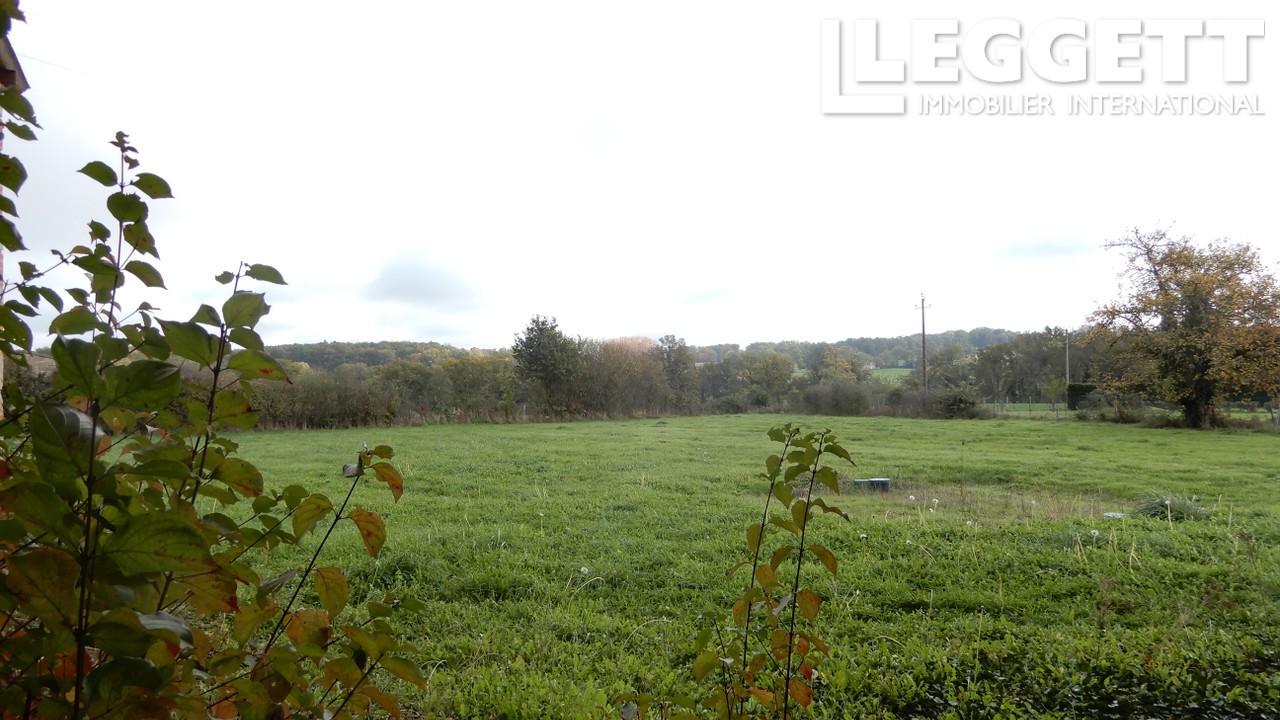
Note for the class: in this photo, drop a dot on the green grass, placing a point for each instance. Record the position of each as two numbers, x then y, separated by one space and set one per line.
562 565
893 374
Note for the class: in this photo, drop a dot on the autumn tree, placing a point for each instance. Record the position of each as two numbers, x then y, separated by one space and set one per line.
1197 323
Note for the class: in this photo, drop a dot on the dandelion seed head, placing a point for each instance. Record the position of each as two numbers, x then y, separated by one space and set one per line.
862 536
1093 533
912 498
584 570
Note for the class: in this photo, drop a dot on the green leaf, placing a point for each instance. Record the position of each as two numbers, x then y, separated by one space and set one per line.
163 469
21 308
265 273
292 495
309 512
14 330
191 341
77 363
331 585
44 581
126 207
98 231
76 321
704 664
782 491
820 503
246 338
63 440
146 273
800 513
257 365
373 644
139 237
20 131
165 624
101 172
827 557
378 610
383 451
372 531
155 543
147 340
12 173
29 293
12 99
245 309
838 450
785 525
755 534
41 511
108 681
231 408
249 618
827 476
772 465
52 297
153 186
10 238
403 669
142 385
119 633
241 475
780 555
224 277
206 315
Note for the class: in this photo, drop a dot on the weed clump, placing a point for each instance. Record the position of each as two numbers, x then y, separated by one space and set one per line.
1171 507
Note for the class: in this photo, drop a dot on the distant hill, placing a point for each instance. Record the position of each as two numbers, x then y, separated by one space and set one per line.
330 355
901 351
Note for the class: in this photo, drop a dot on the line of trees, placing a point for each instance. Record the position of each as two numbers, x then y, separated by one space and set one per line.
1199 326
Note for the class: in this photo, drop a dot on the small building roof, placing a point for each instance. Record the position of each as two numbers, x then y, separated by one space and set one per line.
10 69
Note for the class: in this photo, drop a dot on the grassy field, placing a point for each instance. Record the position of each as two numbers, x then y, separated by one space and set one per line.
563 565
894 374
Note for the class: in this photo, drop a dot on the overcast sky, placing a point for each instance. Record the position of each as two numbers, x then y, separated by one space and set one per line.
445 170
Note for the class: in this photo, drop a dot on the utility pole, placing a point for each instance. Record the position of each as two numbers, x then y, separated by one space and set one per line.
924 350
1068 357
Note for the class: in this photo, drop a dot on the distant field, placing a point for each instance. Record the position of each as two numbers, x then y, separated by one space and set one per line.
565 564
892 373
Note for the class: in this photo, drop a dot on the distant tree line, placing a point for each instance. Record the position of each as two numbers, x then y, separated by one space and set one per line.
1197 329
1135 353
548 374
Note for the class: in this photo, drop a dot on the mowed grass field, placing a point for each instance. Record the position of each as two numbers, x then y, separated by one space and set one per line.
562 565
